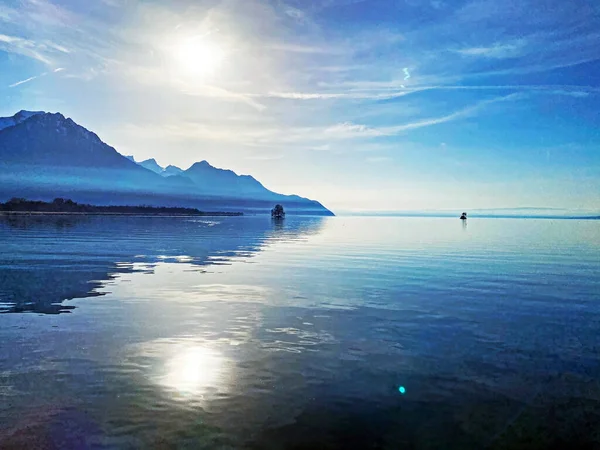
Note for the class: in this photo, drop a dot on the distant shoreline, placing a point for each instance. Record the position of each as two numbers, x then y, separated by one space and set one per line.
140 214
61 206
473 216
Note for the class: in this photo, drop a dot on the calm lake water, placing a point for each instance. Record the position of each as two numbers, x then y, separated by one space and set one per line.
313 333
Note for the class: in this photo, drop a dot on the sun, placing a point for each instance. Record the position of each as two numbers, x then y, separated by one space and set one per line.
198 56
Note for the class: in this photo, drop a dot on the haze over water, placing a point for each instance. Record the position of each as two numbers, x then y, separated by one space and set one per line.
246 333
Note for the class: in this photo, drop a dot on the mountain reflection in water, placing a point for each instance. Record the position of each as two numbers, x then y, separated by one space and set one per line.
45 260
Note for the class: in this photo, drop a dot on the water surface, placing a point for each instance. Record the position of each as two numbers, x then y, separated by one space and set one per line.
156 332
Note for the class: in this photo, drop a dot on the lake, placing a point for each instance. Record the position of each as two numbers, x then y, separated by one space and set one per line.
309 333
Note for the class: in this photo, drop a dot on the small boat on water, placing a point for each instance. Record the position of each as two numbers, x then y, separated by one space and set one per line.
277 212
463 216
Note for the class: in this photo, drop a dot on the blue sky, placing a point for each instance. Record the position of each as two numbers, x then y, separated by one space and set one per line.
364 105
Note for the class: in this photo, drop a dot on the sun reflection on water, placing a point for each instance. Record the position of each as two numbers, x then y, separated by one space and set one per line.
194 371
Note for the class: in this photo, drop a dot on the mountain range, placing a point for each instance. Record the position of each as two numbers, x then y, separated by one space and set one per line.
152 165
46 155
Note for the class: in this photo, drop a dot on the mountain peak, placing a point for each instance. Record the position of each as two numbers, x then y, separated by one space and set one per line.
204 164
19 117
171 170
23 114
51 139
152 165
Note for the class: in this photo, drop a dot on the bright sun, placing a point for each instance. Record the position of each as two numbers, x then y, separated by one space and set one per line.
198 56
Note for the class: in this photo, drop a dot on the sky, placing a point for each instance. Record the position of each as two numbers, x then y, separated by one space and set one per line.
372 105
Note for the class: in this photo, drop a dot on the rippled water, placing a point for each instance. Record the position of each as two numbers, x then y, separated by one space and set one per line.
238 332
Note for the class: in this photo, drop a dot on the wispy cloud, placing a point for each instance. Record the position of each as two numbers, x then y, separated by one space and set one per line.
295 13
307 49
388 89
321 148
318 138
338 95
21 46
27 80
496 51
223 94
8 14
351 130
113 3
264 157
576 94
378 159
53 46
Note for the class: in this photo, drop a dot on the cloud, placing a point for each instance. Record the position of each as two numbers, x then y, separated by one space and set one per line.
496 51
348 130
307 49
276 136
295 14
48 13
576 94
264 157
224 94
338 95
321 148
303 95
21 46
27 80
339 3
8 14
463 113
53 46
383 89
378 159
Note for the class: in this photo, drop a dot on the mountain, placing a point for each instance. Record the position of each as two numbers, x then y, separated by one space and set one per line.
171 170
19 117
45 155
225 182
152 165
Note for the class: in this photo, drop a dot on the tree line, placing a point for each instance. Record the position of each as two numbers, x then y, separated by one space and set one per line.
65 205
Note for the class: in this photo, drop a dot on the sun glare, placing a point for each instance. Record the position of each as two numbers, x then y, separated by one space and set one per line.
194 370
198 56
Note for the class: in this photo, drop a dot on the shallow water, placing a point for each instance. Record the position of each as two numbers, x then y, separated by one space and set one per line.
244 333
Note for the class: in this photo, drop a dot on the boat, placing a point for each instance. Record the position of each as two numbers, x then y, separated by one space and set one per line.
463 216
277 212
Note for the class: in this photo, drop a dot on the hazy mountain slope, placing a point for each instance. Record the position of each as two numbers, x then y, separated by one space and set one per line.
225 182
43 156
152 165
171 170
